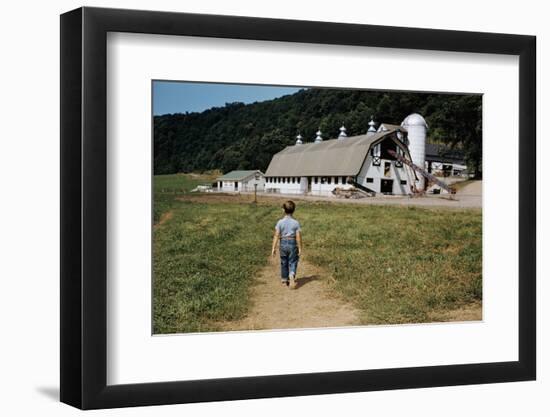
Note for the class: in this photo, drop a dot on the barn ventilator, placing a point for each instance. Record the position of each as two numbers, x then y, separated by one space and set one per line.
431 179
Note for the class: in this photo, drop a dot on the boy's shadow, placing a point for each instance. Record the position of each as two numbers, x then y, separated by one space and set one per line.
300 282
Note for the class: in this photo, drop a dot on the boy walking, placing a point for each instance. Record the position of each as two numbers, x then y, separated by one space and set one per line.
289 237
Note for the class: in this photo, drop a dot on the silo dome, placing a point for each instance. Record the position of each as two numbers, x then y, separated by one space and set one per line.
416 128
414 120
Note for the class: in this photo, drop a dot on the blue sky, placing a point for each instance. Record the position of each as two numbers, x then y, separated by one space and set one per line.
181 97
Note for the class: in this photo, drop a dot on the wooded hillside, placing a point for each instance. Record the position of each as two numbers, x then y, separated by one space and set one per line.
239 136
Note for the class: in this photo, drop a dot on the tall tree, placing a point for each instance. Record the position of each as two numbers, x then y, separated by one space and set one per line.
458 123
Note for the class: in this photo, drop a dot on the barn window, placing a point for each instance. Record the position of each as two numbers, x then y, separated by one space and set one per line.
329 180
343 180
375 151
376 161
398 163
315 180
387 166
370 179
323 180
403 182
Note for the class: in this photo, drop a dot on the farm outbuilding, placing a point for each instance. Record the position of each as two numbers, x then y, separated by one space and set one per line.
444 161
364 161
237 181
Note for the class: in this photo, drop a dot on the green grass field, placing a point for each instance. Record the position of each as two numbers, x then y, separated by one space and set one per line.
167 187
395 264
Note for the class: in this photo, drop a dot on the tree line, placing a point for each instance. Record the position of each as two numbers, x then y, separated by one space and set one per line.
245 136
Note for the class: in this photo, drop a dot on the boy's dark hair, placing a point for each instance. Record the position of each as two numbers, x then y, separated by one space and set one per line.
289 207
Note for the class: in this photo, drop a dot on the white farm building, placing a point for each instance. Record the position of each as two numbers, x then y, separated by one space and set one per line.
363 161
237 181
443 161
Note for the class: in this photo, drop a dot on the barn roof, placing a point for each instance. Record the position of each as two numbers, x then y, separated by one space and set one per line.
388 126
442 153
238 175
332 157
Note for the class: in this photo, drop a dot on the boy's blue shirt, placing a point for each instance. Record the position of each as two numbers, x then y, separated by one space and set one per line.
288 226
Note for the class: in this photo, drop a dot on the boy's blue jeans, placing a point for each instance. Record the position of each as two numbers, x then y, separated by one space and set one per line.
289 257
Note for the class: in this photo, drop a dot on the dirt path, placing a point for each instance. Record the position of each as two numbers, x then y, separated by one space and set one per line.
468 312
472 189
311 304
164 218
460 201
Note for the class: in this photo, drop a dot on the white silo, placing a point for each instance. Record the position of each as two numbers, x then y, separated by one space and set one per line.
416 128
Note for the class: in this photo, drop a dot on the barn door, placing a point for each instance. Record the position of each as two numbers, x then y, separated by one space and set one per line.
386 186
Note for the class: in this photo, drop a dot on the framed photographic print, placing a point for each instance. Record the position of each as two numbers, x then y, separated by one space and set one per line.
256 207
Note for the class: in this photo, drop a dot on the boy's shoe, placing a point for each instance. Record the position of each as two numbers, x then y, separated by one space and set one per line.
284 282
293 282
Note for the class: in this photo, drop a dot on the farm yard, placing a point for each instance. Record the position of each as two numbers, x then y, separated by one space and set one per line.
362 264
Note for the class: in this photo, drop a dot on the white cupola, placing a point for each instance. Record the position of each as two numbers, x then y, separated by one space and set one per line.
319 138
372 129
343 133
299 139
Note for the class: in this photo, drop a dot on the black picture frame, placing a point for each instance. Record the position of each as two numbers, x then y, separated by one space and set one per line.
84 207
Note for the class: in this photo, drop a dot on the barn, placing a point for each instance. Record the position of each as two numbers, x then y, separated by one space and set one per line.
363 161
237 181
